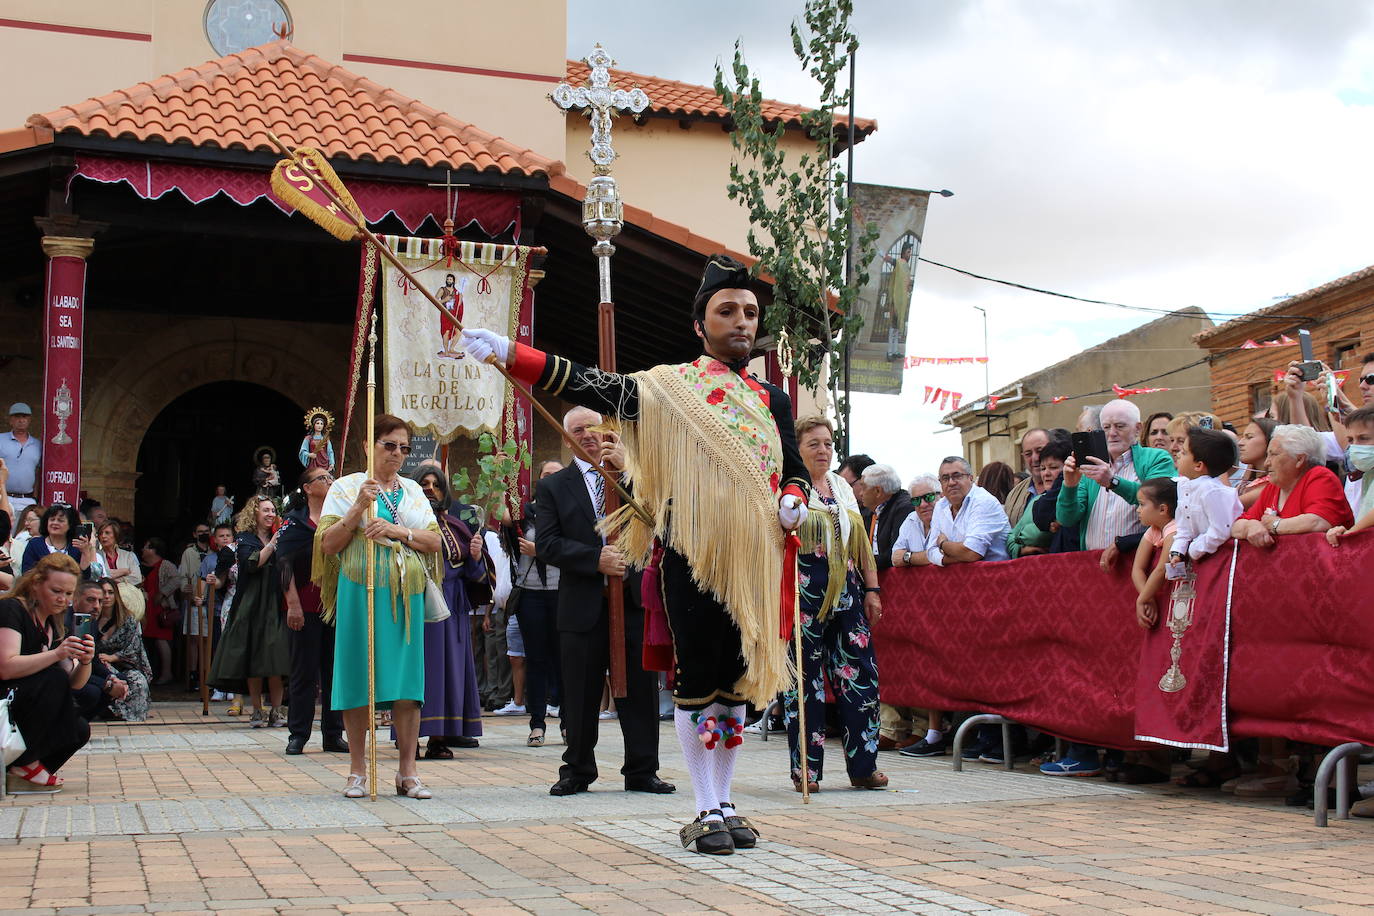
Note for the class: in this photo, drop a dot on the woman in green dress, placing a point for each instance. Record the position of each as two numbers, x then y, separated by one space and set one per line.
405 537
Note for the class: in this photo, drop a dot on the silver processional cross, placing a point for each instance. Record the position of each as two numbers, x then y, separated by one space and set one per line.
602 212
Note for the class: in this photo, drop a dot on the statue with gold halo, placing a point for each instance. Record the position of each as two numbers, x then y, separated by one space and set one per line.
316 449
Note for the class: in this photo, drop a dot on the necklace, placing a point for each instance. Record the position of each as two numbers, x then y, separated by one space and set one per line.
392 498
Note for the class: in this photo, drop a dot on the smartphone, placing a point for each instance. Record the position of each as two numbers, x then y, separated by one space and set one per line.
1090 444
82 626
1310 369
83 531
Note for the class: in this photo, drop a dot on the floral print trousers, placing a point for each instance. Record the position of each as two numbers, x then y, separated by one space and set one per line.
841 648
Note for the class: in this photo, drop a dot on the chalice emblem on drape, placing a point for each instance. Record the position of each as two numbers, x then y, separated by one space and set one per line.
1179 619
62 407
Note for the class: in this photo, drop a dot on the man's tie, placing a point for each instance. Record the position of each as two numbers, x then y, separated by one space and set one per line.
599 488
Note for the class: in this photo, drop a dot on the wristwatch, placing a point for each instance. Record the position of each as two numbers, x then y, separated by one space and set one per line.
1115 482
874 589
1274 525
906 558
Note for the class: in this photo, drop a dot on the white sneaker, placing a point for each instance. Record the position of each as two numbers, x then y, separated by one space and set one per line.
607 714
755 729
218 696
510 709
553 711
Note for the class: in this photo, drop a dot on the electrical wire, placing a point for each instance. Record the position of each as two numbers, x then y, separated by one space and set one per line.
1120 305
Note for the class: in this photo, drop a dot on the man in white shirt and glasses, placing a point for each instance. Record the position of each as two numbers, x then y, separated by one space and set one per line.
969 524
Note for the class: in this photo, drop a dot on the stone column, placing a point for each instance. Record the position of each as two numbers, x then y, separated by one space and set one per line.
63 339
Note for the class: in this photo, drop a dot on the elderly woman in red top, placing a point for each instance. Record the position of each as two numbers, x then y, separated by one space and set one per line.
1302 494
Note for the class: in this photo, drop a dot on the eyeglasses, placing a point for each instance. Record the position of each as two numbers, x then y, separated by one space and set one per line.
951 478
393 446
1367 379
324 476
925 498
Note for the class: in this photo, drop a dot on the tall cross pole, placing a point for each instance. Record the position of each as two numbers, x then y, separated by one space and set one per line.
603 216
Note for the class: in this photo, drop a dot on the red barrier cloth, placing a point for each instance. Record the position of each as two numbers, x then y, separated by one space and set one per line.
1051 641
1186 706
493 211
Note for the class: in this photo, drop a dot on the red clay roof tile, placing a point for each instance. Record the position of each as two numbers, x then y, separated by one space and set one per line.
671 97
234 101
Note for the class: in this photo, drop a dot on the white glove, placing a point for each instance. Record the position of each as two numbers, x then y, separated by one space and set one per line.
791 512
480 344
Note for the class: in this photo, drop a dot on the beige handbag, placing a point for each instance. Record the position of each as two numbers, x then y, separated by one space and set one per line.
135 600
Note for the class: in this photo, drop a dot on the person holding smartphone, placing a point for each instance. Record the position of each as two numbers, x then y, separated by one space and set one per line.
62 533
42 665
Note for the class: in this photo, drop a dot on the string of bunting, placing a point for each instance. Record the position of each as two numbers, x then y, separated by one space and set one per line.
912 362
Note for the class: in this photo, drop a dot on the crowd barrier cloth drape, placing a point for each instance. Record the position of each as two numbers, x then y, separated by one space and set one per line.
1051 641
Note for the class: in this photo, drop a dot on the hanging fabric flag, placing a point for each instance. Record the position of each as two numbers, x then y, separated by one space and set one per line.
935 396
944 399
1249 345
1128 392
1058 398
980 359
926 400
954 400
992 401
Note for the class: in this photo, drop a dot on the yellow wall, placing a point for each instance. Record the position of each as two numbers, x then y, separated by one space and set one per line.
462 33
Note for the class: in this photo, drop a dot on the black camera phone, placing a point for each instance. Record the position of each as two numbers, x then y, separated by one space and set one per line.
84 531
1309 368
1090 444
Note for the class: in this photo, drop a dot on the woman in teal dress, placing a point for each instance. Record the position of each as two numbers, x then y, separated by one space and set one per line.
406 540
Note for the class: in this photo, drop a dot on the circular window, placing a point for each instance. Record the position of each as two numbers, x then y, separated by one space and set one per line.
233 25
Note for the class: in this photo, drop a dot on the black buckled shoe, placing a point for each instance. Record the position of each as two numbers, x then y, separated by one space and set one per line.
294 746
744 834
712 838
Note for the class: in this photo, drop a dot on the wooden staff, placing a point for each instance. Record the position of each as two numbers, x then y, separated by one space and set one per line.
371 566
205 615
386 252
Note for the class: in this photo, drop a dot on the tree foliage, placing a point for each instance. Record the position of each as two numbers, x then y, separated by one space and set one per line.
798 210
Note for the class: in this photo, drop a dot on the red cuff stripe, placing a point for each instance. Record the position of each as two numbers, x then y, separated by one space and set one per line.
529 364
793 490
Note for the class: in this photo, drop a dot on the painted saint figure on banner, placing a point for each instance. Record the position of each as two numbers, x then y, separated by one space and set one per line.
897 282
452 298
316 449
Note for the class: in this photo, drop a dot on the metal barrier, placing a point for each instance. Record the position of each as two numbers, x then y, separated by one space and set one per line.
1337 760
1008 762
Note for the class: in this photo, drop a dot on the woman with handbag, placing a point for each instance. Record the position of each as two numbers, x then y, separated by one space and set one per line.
43 666
389 515
453 707
160 584
254 644
120 647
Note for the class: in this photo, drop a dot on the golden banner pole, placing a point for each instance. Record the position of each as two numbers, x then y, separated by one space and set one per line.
371 567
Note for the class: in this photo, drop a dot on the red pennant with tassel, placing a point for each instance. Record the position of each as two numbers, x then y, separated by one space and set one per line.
788 608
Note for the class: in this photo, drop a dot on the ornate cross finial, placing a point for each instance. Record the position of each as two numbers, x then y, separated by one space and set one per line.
600 103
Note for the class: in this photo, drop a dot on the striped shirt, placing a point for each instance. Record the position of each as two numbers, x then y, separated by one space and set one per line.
1113 517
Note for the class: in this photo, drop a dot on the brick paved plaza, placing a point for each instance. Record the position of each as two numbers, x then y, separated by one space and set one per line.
185 814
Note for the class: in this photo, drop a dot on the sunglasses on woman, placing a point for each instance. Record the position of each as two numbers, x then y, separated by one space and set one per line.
925 498
393 446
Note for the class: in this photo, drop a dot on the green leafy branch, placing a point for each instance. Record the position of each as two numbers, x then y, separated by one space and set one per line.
497 472
799 212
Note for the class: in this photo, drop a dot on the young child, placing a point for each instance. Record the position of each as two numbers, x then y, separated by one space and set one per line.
1359 425
1157 500
1207 507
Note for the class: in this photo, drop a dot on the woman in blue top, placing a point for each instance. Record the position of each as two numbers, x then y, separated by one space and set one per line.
57 526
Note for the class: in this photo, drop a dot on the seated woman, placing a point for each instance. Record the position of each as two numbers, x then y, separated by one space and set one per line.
1302 496
120 645
58 525
43 668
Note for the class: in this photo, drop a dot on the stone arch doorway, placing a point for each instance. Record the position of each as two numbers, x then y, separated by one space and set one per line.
208 437
304 363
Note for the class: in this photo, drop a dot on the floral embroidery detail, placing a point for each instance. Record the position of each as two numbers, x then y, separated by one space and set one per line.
715 396
715 367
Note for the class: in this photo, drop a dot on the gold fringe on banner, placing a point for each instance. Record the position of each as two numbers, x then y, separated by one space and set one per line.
292 184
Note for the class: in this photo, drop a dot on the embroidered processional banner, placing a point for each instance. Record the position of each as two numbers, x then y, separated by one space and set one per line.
429 381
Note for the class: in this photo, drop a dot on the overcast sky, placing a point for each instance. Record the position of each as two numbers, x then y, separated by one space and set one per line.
1168 153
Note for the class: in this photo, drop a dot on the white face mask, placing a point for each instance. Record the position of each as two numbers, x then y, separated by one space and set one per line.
1362 457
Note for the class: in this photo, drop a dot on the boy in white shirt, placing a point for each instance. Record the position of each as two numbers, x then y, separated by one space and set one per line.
1207 507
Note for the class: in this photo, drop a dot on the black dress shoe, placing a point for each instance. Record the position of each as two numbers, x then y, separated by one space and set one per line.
653 784
335 746
295 746
461 741
569 785
711 837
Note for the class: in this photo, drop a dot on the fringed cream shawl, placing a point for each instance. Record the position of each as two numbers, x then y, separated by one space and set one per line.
398 567
704 457
836 532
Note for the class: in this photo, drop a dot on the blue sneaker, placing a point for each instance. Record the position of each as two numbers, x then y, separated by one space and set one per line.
1068 766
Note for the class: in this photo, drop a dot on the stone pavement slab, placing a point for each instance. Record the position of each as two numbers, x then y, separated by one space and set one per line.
202 814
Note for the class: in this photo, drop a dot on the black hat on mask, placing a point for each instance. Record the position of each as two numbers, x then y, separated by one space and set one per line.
722 272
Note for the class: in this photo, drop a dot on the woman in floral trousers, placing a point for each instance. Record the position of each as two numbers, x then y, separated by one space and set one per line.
839 600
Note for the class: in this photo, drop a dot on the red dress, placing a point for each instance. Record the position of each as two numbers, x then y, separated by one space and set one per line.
152 626
1318 491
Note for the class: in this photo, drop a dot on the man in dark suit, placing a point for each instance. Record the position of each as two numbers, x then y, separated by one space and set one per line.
568 505
884 495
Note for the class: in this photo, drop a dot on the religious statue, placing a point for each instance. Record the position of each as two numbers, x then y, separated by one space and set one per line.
265 475
316 449
221 507
451 295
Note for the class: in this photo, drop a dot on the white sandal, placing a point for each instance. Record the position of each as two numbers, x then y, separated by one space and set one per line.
356 787
417 789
